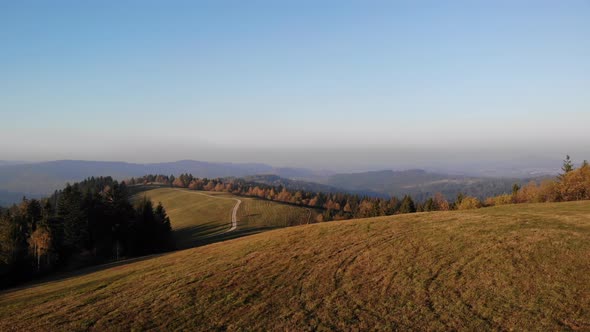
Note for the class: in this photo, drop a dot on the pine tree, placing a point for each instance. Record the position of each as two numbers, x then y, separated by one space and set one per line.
162 218
407 205
429 205
568 165
69 209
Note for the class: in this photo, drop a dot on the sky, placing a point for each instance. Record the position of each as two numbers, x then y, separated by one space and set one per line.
325 84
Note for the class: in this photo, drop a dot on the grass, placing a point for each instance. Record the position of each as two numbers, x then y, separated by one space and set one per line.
258 213
199 218
517 267
195 216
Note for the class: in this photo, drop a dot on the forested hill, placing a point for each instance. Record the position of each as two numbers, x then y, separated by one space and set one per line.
421 184
277 181
86 223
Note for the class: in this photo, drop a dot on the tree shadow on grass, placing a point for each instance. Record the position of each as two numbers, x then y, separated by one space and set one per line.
188 237
196 236
65 275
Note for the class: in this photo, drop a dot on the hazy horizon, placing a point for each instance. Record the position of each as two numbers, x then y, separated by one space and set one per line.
338 85
500 162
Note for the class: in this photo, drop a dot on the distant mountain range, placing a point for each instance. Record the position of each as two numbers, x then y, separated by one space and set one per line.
12 162
39 179
276 181
421 184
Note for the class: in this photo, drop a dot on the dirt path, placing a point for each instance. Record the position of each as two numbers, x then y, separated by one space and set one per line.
234 214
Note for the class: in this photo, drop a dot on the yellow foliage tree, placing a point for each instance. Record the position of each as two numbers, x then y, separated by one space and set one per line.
40 244
469 203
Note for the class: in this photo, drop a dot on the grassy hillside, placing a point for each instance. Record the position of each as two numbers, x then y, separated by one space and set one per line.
522 267
203 217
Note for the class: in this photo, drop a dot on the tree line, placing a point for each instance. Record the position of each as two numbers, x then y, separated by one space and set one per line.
573 184
89 222
336 206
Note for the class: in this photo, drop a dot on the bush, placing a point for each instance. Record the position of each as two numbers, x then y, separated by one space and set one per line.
499 200
468 203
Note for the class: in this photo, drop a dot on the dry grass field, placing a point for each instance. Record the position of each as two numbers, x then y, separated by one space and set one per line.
199 218
517 267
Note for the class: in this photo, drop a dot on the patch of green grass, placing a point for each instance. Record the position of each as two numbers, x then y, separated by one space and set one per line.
194 215
517 267
258 213
200 217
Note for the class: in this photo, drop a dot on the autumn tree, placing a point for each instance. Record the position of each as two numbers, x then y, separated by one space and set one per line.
40 244
468 203
440 202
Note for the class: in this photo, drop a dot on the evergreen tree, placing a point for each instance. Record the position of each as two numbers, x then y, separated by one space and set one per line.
162 218
33 213
567 166
407 205
144 229
327 216
429 205
165 241
459 199
75 223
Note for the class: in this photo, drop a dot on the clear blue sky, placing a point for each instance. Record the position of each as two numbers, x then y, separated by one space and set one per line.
116 80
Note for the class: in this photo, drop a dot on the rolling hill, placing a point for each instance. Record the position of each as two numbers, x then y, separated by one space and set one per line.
517 267
199 218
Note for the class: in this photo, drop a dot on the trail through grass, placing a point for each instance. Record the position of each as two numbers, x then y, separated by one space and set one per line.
199 218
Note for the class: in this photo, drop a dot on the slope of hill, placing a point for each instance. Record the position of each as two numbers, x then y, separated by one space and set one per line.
198 217
518 267
421 184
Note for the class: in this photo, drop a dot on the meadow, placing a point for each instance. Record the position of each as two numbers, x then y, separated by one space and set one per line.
200 217
513 267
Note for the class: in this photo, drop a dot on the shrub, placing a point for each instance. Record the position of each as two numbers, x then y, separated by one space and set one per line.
499 200
468 203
